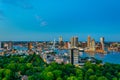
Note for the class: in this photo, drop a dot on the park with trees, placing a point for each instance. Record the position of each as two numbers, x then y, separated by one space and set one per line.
32 66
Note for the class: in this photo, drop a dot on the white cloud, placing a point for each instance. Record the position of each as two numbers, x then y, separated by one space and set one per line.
43 23
38 18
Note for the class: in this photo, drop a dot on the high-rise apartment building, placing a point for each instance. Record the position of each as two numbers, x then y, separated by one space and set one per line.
89 41
2 44
60 39
30 46
74 42
93 44
102 42
61 43
74 56
10 45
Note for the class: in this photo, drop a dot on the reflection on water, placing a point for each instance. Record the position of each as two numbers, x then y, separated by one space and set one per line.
20 48
113 57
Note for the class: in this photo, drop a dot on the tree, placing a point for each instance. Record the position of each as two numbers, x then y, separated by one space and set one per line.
79 74
1 73
29 65
98 72
21 60
108 75
50 76
31 78
118 75
87 65
47 75
93 77
12 66
114 78
102 78
57 73
98 61
22 68
4 78
7 73
88 73
72 78
59 78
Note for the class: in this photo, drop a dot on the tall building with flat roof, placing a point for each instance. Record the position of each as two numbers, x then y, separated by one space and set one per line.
30 46
74 56
93 44
10 45
89 41
61 43
102 39
0 45
102 42
74 42
60 39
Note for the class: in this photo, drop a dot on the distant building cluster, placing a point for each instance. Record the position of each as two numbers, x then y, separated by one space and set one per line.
93 46
59 51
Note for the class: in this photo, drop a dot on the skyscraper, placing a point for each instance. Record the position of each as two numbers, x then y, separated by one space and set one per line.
102 42
60 39
0 45
30 46
74 56
74 42
10 45
61 43
93 44
89 41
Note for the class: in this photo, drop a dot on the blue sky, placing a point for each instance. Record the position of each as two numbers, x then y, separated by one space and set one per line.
49 19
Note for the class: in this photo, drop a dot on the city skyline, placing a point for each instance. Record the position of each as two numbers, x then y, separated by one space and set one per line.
46 20
73 39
